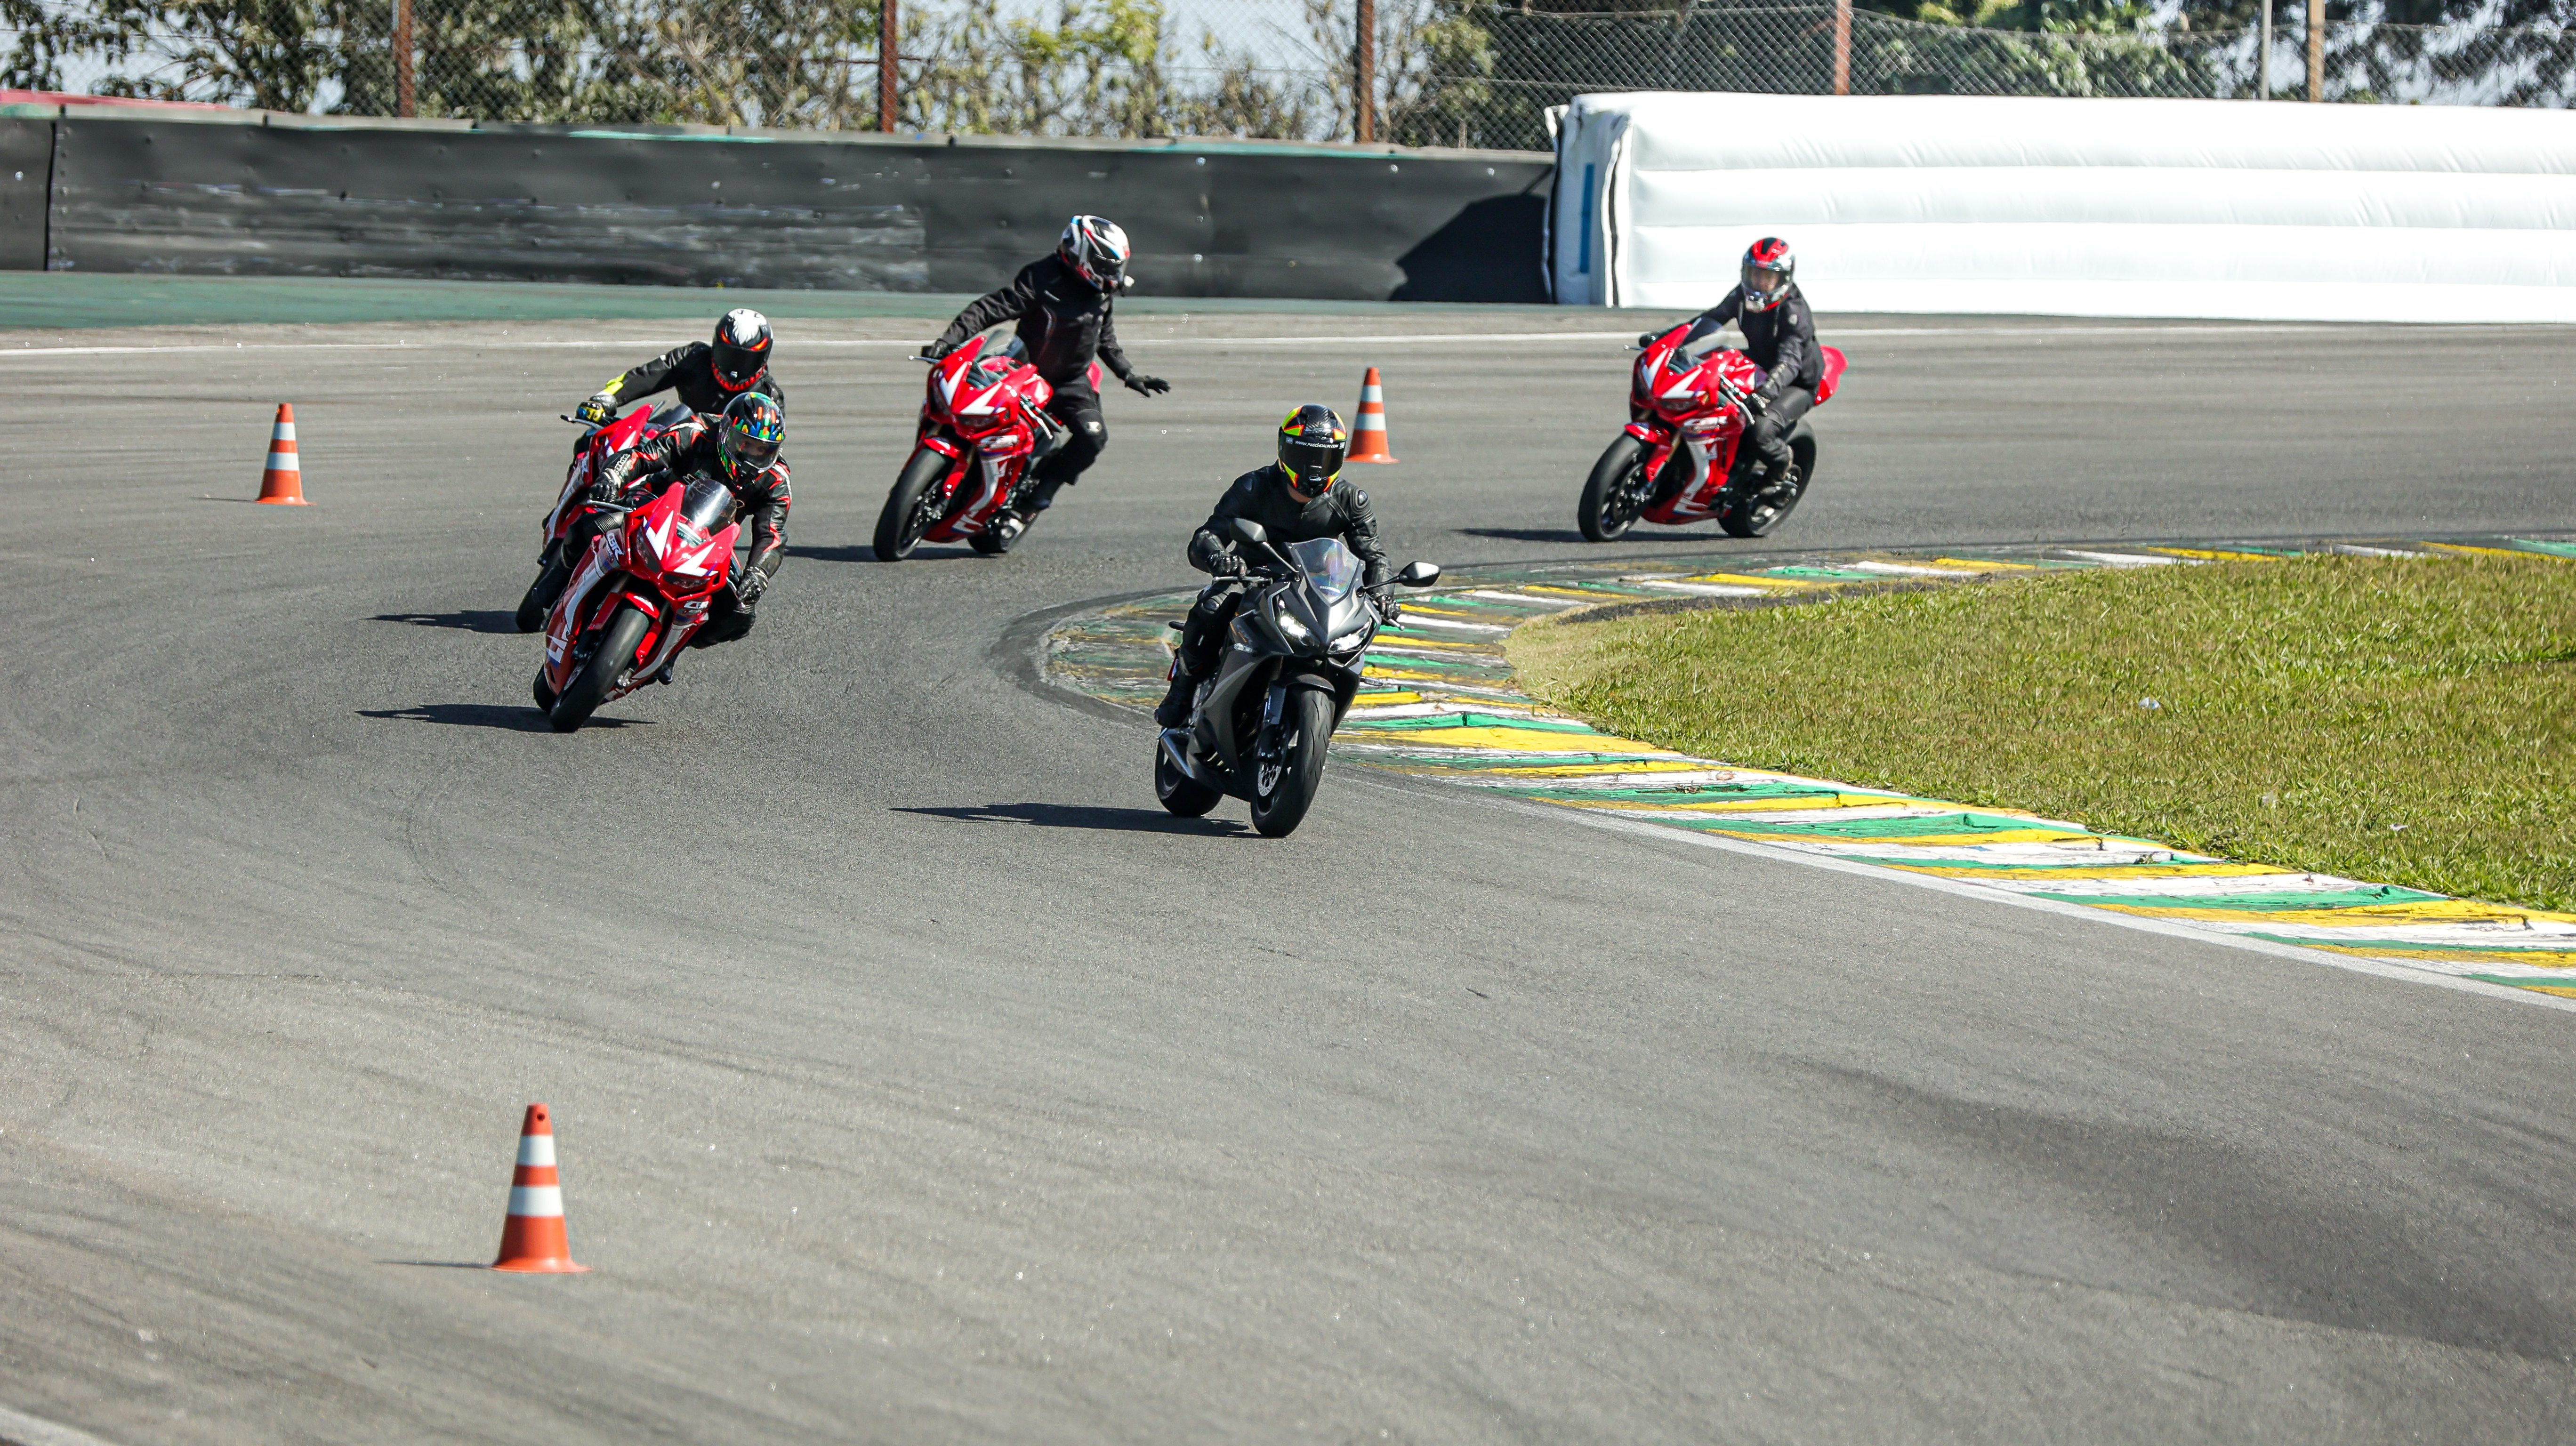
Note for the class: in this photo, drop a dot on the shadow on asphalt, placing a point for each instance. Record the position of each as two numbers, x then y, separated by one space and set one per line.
867 553
1070 815
487 621
514 719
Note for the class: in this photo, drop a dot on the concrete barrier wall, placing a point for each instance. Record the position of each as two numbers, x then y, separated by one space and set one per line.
242 193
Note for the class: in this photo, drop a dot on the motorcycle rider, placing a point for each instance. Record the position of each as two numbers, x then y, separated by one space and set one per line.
1295 499
1780 337
1061 304
740 450
706 375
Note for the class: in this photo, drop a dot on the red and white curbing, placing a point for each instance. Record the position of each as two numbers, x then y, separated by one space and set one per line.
532 1238
282 483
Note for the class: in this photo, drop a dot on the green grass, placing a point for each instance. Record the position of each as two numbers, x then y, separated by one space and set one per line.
2400 721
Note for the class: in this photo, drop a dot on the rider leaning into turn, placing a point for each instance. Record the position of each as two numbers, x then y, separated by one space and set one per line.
1061 304
1296 499
740 450
1780 337
705 375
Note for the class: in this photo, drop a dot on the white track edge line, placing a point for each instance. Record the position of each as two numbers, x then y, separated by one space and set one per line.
1966 890
20 1429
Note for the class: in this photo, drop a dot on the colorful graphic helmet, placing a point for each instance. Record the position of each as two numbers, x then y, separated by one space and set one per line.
1096 250
1312 444
742 348
753 428
1768 271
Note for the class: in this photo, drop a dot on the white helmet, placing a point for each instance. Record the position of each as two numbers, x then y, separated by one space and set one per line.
1096 250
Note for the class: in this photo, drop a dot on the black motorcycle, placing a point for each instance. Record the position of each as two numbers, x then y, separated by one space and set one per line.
1289 671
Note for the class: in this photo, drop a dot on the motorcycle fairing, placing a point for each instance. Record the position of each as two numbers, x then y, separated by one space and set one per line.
983 399
660 550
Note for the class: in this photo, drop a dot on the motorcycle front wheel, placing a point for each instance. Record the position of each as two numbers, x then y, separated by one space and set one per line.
599 677
1284 788
913 507
1181 794
1615 494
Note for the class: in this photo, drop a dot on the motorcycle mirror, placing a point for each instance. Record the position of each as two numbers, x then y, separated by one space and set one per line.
1247 530
1419 574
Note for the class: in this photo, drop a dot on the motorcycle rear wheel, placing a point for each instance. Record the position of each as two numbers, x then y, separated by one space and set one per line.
552 573
1615 493
1181 794
1283 792
912 508
1767 509
598 677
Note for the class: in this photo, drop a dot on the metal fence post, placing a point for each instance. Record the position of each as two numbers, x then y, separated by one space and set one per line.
1842 47
889 44
2263 64
403 92
2316 50
1364 76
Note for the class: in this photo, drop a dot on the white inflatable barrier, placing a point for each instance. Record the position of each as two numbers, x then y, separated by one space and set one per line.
2146 208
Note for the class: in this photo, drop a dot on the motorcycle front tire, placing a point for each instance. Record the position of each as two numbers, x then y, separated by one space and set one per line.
1606 511
900 526
599 677
1309 720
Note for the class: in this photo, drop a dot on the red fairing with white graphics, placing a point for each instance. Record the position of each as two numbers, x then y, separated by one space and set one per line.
637 597
591 451
1688 412
984 425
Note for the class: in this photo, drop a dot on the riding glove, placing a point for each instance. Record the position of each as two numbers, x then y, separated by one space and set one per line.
751 585
1147 386
598 411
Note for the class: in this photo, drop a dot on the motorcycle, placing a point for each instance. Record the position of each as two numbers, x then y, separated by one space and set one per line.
590 452
640 593
1289 671
984 428
1688 412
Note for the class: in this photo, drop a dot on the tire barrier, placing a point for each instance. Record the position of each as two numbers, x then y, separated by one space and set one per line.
245 193
1445 708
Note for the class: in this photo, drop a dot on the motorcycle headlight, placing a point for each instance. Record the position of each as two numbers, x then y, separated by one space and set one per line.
1344 642
1295 630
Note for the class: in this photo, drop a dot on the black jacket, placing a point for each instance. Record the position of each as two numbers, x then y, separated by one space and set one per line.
1262 495
1063 322
689 450
1781 341
691 372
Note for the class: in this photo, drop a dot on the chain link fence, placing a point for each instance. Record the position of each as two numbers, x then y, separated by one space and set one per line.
1446 72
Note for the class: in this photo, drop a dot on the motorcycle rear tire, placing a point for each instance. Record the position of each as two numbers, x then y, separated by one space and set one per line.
901 525
1609 507
1310 723
1766 511
598 677
1181 794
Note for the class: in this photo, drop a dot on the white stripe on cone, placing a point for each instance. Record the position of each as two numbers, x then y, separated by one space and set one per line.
536 1149
536 1201
283 462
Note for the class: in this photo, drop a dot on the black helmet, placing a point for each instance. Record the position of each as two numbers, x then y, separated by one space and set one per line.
753 428
1312 444
1768 269
742 348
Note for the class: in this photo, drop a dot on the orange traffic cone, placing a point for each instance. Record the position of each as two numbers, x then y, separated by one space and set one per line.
283 482
1368 434
532 1239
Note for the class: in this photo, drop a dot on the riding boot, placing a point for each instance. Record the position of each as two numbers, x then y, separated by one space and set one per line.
1174 710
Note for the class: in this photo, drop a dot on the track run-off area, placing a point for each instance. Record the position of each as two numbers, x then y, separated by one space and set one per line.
915 1077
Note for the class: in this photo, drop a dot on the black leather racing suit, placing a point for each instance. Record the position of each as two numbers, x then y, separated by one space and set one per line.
689 451
1063 323
1781 341
690 372
1262 495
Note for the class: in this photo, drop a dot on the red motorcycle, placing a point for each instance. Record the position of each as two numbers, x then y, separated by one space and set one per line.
640 593
984 429
590 452
1688 411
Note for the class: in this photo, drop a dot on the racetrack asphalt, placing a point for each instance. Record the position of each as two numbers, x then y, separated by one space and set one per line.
916 1078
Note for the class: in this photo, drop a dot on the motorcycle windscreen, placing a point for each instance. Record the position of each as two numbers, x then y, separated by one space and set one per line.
1332 568
708 505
